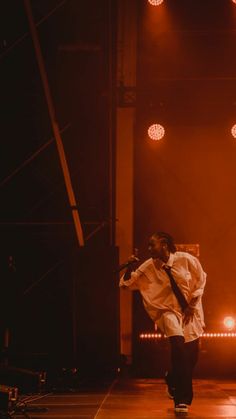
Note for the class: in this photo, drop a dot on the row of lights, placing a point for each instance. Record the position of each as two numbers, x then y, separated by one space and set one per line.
229 324
156 131
149 336
159 2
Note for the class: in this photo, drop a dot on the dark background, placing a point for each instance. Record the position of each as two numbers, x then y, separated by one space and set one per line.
75 40
59 302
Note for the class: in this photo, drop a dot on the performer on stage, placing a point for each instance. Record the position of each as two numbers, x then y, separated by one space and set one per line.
172 284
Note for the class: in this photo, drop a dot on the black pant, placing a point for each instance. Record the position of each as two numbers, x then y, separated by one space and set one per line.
184 357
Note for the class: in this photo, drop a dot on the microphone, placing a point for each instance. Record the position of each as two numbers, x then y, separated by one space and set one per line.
129 262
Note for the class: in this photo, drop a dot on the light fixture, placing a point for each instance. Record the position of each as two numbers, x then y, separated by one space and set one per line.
233 129
208 335
155 2
156 132
229 323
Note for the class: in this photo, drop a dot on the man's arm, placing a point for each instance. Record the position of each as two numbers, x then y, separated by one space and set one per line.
190 310
128 280
198 285
127 274
198 279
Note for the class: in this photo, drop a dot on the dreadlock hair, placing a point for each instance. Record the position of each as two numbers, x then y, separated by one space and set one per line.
166 238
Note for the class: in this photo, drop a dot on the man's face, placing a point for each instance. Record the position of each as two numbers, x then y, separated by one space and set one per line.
155 247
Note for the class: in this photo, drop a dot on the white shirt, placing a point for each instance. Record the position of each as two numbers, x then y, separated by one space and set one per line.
158 298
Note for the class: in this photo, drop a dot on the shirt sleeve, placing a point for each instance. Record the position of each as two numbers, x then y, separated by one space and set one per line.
198 277
131 283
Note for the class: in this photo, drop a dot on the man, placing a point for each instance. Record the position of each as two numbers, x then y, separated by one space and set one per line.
182 321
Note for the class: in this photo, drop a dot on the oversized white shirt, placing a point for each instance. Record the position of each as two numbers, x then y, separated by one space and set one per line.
158 298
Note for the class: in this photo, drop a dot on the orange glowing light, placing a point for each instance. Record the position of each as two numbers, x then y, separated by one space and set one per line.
233 129
156 132
234 1
229 322
155 2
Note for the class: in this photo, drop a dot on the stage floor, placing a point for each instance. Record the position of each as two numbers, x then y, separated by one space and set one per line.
127 398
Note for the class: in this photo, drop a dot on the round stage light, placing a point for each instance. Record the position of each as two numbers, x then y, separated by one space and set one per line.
233 129
155 2
229 323
156 132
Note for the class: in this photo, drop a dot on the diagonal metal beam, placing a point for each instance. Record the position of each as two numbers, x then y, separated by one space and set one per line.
24 36
55 128
29 159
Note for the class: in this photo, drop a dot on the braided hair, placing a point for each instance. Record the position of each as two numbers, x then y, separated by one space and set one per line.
166 238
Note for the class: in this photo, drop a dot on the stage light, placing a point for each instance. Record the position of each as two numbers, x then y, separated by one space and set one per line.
229 323
156 132
211 335
233 129
234 1
155 2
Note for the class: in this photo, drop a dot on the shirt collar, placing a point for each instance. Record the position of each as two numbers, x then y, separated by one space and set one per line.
159 264
170 260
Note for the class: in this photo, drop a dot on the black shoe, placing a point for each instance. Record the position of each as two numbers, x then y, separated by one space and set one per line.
170 391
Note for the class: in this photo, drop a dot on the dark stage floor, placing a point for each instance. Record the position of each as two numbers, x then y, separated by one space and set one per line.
127 398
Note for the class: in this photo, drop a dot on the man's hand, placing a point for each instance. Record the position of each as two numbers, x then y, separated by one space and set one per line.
188 315
132 261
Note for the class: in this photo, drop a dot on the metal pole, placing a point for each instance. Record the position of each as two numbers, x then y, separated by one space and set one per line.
111 118
54 124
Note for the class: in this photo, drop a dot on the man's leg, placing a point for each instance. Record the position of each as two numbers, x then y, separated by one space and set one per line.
169 379
180 373
192 350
